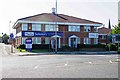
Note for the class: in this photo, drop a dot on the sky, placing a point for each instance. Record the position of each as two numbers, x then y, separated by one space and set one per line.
95 10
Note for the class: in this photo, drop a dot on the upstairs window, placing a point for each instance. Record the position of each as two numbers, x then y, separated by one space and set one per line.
51 27
87 28
36 27
95 29
74 28
25 27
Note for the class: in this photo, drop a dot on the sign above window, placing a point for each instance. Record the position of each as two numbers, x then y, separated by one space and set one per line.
39 34
93 35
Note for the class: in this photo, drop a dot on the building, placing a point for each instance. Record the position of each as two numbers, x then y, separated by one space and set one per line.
70 30
115 38
103 35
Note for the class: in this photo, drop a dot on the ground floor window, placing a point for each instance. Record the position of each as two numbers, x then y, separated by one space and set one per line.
36 40
23 40
95 40
87 40
47 40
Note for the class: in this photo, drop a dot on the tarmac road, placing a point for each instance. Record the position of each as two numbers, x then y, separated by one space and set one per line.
59 66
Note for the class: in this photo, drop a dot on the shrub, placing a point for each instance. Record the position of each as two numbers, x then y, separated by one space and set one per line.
21 46
67 48
111 47
91 46
36 46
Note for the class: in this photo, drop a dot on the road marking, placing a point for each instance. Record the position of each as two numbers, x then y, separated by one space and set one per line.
66 64
90 62
36 67
110 61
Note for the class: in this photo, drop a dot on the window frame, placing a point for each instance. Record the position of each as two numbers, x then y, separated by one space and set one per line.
74 28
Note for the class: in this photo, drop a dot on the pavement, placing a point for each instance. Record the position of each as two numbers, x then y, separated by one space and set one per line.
65 53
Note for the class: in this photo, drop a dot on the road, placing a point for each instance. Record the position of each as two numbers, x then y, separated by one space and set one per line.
58 66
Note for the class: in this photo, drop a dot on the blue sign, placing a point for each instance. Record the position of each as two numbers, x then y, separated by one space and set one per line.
40 34
11 36
29 44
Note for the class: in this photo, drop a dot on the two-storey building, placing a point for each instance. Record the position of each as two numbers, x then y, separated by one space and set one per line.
44 28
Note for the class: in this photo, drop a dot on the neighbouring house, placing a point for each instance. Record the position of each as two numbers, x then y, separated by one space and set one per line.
115 38
46 27
103 35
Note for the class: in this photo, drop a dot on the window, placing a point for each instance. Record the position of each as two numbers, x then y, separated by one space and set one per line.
102 36
25 26
87 40
117 38
95 29
23 40
95 40
87 28
36 40
36 27
78 40
47 41
51 28
74 28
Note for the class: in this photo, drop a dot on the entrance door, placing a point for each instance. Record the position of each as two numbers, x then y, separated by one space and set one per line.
53 43
73 42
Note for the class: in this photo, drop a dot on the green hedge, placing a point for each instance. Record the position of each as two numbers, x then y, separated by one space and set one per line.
111 47
36 46
91 46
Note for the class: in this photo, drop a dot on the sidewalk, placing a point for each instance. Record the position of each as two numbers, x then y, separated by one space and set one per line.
65 53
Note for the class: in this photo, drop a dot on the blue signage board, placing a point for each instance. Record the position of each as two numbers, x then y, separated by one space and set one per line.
40 34
11 36
28 44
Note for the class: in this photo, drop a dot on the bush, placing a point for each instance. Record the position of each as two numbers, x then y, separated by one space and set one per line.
90 46
111 47
67 48
41 46
36 46
21 46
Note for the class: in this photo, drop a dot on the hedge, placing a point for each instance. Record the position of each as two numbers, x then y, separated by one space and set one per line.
36 46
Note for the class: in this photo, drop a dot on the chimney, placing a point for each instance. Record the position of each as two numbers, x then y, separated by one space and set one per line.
53 11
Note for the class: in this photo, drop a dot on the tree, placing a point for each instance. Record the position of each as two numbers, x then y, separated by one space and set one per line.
5 38
116 29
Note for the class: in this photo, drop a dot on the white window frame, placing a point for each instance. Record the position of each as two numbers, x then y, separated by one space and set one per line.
87 28
47 40
51 27
95 29
95 40
23 26
23 40
87 40
37 40
36 25
74 28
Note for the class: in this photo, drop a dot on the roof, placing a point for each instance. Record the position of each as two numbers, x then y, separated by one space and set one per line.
104 30
49 17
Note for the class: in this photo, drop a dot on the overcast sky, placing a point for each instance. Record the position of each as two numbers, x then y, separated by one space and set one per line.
95 10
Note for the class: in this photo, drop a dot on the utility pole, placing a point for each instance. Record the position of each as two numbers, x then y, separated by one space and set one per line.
10 39
56 27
